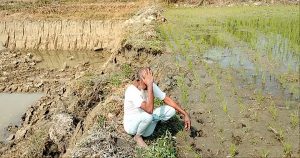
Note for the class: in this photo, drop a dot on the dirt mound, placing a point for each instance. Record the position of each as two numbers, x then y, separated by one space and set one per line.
69 118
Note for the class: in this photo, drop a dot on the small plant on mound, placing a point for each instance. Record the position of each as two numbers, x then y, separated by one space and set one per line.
161 148
37 142
101 120
126 70
162 142
158 102
116 80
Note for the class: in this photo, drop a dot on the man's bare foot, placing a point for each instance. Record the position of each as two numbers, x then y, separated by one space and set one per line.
139 140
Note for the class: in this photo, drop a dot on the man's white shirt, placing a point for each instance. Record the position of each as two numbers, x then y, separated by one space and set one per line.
134 98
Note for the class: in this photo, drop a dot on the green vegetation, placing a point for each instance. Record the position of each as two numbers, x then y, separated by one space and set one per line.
184 97
265 153
287 149
162 141
158 102
101 120
233 150
126 70
244 55
294 119
116 80
36 143
225 108
273 111
163 147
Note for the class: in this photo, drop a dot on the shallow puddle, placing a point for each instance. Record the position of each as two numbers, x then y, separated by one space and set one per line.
12 107
60 59
262 80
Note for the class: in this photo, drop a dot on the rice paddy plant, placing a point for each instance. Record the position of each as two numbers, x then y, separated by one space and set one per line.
203 96
190 63
281 135
233 150
255 116
241 105
184 90
287 149
294 119
263 79
259 96
273 111
265 153
225 108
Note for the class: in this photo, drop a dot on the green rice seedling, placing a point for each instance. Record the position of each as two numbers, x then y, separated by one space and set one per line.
229 77
184 90
241 105
287 149
233 150
273 111
235 91
225 108
263 79
203 96
255 116
281 135
265 153
259 96
294 119
253 141
190 64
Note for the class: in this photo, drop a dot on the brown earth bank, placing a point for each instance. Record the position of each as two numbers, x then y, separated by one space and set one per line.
81 111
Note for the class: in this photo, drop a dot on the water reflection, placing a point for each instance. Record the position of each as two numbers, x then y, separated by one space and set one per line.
262 79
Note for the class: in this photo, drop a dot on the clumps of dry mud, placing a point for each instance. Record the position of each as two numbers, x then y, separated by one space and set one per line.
142 36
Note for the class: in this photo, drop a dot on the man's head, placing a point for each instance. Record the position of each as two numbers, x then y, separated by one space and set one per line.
140 76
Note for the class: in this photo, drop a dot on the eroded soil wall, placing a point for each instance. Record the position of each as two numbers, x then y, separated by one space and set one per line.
60 34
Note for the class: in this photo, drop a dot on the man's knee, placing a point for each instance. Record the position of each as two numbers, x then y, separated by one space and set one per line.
172 111
169 111
147 117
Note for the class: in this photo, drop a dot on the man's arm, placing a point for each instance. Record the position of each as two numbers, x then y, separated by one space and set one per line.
187 120
147 78
149 105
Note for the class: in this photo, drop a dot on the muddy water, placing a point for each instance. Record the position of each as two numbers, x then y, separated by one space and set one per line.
13 106
61 59
263 80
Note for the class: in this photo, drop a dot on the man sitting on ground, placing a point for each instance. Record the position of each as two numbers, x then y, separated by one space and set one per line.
140 117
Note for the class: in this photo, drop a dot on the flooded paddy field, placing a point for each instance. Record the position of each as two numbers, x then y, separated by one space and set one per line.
239 78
